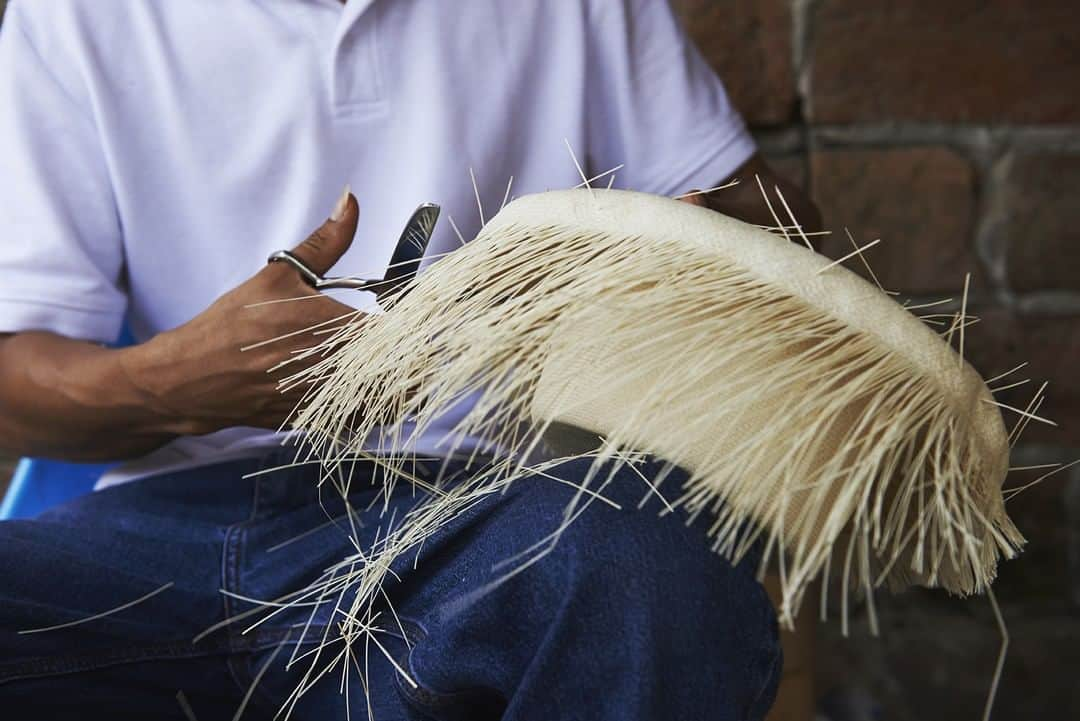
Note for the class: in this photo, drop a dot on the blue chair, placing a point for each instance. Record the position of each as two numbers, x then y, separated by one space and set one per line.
40 484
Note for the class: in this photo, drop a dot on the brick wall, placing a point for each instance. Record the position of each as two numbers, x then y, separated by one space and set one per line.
951 129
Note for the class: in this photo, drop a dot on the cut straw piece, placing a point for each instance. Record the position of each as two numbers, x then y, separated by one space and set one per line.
1033 468
506 195
302 331
693 193
1002 652
101 615
287 300
1014 409
306 534
963 314
1032 407
1017 384
769 205
255 682
1011 493
581 172
865 262
185 707
604 174
1006 373
857 251
457 231
476 192
929 305
798 225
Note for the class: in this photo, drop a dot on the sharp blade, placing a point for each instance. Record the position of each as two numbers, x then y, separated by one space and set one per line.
411 246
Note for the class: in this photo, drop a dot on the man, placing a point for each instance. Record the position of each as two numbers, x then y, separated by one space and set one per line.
154 154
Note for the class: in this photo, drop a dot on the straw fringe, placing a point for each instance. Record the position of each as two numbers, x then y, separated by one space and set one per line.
606 344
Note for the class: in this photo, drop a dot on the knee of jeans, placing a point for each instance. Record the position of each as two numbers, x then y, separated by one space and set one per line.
643 556
621 592
656 582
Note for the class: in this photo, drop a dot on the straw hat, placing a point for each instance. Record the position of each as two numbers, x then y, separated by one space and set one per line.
797 395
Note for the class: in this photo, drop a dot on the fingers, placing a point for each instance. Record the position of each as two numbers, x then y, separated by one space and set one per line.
325 246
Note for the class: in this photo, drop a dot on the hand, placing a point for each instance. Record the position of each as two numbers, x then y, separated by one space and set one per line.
200 376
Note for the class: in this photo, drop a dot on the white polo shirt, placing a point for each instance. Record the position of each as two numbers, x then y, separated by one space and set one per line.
153 153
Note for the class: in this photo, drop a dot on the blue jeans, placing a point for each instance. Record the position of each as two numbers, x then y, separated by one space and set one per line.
631 616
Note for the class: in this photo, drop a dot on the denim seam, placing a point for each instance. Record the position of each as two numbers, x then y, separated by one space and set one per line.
175 650
776 657
771 681
73 664
234 540
230 577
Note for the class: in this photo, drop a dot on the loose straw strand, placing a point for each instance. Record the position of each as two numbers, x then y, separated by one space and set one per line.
101 615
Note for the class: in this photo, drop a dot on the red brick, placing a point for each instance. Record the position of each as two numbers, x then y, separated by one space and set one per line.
1041 223
957 61
749 44
1051 346
919 201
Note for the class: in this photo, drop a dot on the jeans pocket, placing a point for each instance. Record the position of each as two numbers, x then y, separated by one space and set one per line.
457 705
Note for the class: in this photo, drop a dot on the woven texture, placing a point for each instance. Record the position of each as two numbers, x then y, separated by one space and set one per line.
798 396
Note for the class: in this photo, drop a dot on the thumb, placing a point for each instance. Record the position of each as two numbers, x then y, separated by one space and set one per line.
325 246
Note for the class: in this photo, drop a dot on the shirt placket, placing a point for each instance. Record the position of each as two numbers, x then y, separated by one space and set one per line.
356 79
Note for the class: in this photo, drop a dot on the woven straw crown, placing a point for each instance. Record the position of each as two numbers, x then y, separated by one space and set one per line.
796 395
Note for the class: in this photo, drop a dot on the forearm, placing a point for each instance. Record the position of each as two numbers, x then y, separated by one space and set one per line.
79 401
745 201
74 400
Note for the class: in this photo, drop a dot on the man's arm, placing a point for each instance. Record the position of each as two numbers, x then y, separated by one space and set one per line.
76 400
745 202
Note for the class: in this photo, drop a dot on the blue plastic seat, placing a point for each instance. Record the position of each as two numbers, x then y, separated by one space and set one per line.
40 483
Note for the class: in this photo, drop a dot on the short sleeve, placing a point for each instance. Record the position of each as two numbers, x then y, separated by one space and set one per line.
61 250
655 104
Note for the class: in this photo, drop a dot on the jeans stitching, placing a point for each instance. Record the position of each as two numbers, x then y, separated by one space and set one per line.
234 541
51 666
181 649
775 668
772 681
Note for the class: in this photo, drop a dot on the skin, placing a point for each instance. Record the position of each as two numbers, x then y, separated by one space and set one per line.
75 400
